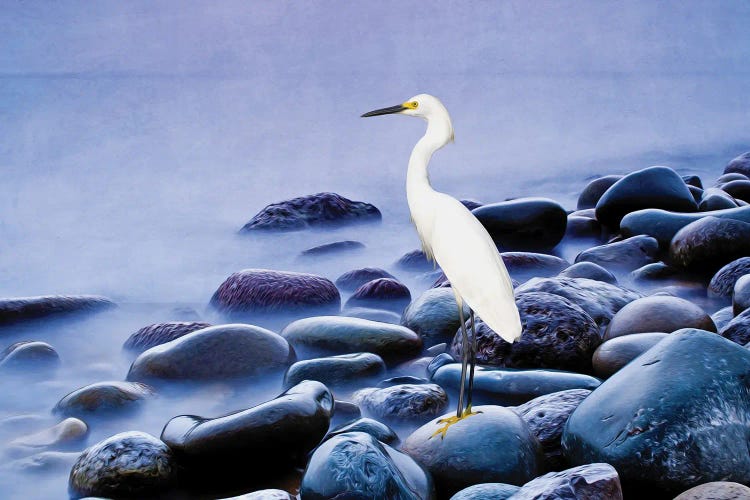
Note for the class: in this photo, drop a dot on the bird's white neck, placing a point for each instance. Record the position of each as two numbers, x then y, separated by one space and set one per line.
439 133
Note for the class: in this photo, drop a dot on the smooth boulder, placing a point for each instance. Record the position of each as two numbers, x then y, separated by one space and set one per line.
384 293
160 333
722 283
351 280
13 310
586 482
625 255
710 243
434 316
332 249
403 402
738 329
613 354
588 270
716 490
483 491
376 429
594 190
341 370
658 313
741 295
524 223
34 357
525 265
739 165
103 397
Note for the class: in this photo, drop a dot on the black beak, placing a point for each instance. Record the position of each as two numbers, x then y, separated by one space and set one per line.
385 111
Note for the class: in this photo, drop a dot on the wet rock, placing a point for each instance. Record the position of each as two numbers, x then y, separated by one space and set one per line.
717 490
653 187
335 248
215 353
524 265
66 433
740 297
385 293
471 204
341 335
416 260
271 494
356 465
434 316
402 379
657 271
658 313
738 329
739 165
582 227
733 176
666 433
493 445
710 243
376 429
372 314
17 309
722 317
693 180
600 300
129 464
696 192
625 255
403 403
39 358
512 387
344 412
556 333
524 223
342 370
588 270
351 280
264 292
594 190
590 481
103 397
715 199
44 462
160 333
546 416
722 283
282 431
437 362
321 209
613 354
495 491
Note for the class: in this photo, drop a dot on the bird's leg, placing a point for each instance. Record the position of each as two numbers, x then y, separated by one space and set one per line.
464 361
473 361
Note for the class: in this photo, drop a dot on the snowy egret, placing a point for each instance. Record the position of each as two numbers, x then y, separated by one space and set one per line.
457 241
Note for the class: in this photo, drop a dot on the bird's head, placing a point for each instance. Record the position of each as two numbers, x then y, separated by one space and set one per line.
424 106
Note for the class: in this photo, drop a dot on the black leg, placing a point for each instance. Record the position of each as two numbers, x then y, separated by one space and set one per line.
464 360
473 359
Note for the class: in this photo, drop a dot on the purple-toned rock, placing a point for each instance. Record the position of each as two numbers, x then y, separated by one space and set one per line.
403 402
385 293
716 490
741 295
37 358
416 260
710 243
594 190
351 280
17 309
658 313
590 481
335 248
624 255
160 333
715 199
588 270
739 165
103 397
738 330
722 283
722 317
524 265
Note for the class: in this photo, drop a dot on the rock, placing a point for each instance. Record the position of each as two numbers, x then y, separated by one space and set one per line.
710 243
37 358
722 317
66 433
13 310
321 209
160 333
415 260
405 402
715 199
512 387
613 354
495 491
215 353
334 248
340 335
739 189
594 190
546 416
590 481
524 265
740 297
129 464
344 412
492 445
733 176
281 431
625 255
717 490
45 462
356 465
696 192
471 204
658 313
739 165
263 292
656 271
434 316
653 187
693 180
666 433
438 361
738 330
342 370
402 379
270 494
376 429
556 333
524 223
354 279
588 270
384 293
372 314
722 283
600 300
582 227
103 397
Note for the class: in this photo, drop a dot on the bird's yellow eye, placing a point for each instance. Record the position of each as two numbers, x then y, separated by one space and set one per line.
414 104
410 104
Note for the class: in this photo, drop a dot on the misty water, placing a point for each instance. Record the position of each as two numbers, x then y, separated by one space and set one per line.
135 141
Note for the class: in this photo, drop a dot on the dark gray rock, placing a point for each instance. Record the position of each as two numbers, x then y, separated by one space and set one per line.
624 255
588 270
675 417
556 333
340 335
653 187
471 204
384 293
524 265
613 354
261 292
434 316
582 227
344 411
715 199
321 209
351 280
546 417
215 353
103 398
437 362
658 271
416 260
126 465
402 379
524 223
492 445
376 429
504 386
483 491
271 494
658 313
732 176
17 309
722 317
590 481
722 283
716 490
710 243
594 190
335 248
693 180
739 165
740 297
405 402
356 465
372 314
160 333
34 357
738 329
342 370
696 192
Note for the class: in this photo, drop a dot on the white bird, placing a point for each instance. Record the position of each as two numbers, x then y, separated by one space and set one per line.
456 240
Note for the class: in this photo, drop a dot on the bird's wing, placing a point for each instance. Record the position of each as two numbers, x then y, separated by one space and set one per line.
470 260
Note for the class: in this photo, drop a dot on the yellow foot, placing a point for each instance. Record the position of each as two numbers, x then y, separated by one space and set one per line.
447 422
